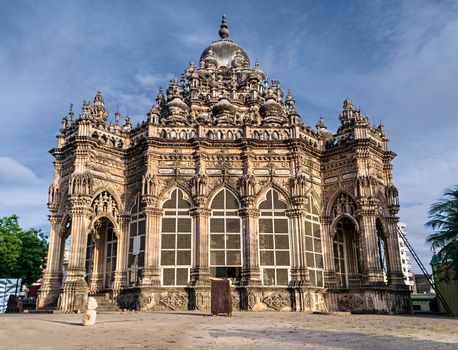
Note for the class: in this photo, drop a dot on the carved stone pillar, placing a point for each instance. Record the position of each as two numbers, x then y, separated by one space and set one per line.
330 278
372 274
299 270
75 290
52 278
395 275
96 280
152 271
120 280
200 273
250 271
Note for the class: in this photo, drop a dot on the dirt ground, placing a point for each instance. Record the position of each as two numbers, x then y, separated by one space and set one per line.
247 330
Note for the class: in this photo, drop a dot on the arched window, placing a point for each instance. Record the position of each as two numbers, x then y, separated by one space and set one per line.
230 135
183 135
193 134
313 244
210 135
256 135
275 136
274 241
173 134
111 246
136 254
176 240
219 135
163 134
238 135
265 136
225 236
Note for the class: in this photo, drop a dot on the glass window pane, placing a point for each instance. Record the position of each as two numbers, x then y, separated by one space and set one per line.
231 201
218 201
319 261
317 245
168 224
308 244
308 228
217 241
316 231
233 241
216 225
267 258
232 225
182 276
281 242
168 257
281 225
184 225
184 257
282 277
233 257
265 226
282 258
168 241
310 260
183 241
141 227
266 241
168 277
269 277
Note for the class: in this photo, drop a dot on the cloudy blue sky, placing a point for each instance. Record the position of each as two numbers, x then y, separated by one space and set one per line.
397 60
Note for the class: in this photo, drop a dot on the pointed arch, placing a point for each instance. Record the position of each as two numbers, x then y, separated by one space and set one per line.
167 192
336 220
111 191
334 197
261 195
219 188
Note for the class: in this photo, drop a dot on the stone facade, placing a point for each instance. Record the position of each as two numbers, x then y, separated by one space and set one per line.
223 180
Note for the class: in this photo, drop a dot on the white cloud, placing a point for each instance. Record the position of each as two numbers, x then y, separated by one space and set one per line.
13 171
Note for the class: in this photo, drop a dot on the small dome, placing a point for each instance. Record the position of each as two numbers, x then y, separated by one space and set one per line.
224 50
271 108
223 107
178 104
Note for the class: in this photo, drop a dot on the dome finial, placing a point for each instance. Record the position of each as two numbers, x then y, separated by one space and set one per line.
223 31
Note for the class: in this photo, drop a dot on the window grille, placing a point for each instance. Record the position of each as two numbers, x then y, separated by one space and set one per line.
176 240
274 240
225 236
313 244
137 235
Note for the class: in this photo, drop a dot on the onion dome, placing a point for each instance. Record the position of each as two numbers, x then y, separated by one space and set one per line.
177 105
272 112
224 50
223 107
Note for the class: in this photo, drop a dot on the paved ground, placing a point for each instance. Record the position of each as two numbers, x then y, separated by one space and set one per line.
247 330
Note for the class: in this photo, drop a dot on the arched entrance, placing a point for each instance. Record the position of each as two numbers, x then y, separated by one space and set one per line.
346 250
101 254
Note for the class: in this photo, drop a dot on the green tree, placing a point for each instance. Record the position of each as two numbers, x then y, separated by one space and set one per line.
22 253
443 219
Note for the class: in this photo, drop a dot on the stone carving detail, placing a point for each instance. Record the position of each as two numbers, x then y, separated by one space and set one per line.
275 301
308 300
251 300
80 184
351 302
104 203
343 204
370 303
174 301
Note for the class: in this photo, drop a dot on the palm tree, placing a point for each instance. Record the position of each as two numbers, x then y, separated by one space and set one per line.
443 219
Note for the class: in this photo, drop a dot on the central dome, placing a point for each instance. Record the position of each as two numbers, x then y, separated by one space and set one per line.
224 50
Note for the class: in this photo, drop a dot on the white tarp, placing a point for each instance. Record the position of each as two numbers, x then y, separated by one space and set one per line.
8 286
